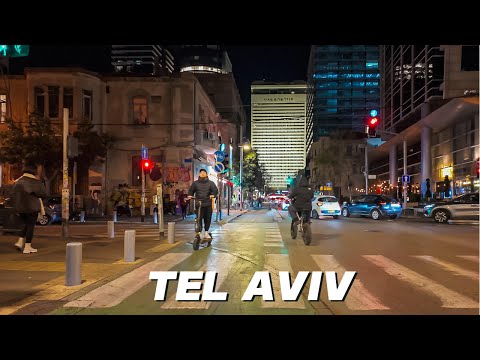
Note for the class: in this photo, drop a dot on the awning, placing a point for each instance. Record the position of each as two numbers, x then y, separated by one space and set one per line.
448 114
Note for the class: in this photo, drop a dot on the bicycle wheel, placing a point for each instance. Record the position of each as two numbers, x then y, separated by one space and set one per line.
307 234
294 230
196 242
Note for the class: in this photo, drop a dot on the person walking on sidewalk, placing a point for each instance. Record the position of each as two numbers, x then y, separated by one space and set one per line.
28 194
184 201
204 190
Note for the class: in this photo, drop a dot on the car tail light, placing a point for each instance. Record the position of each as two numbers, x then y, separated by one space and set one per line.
383 203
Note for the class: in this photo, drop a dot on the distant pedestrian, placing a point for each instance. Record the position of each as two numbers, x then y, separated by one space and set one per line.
28 194
184 201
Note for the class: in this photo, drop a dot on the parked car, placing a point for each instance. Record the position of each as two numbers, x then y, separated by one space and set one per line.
375 206
53 211
325 205
464 207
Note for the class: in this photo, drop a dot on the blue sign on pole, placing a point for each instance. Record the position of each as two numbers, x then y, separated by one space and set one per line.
329 184
144 153
220 155
219 167
406 178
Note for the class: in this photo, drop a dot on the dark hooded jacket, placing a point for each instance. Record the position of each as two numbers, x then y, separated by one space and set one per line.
303 195
202 189
27 192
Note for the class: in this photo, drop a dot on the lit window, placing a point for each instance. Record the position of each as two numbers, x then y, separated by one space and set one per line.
372 65
140 111
3 108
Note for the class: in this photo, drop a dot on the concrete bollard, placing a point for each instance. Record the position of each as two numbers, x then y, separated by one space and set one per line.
82 216
129 246
114 215
155 217
171 233
111 229
74 264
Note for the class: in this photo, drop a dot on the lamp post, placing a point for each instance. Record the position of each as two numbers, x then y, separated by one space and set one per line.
245 146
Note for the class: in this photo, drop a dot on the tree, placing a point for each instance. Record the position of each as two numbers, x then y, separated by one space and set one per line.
37 141
41 141
92 146
254 174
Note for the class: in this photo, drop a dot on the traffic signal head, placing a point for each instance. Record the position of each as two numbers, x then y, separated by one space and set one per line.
226 164
372 124
147 166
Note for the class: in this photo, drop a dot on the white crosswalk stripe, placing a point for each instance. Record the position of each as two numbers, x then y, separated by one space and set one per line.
358 298
449 298
114 292
219 262
449 267
280 262
469 258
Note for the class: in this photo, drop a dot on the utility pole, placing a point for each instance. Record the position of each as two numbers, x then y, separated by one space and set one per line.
65 189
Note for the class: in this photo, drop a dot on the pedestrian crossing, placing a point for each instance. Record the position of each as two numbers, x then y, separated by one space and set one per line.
431 279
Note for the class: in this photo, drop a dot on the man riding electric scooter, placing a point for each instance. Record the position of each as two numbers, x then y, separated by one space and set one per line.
203 190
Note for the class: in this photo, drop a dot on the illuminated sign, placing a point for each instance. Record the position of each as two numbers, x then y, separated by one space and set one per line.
14 50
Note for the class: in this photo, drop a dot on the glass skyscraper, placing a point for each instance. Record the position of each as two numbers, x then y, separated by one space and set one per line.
344 85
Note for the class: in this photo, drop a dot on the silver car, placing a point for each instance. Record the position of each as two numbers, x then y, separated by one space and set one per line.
464 207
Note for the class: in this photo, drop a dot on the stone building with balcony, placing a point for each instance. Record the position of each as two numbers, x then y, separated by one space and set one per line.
173 116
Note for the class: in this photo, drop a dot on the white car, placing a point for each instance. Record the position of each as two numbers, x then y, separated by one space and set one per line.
325 205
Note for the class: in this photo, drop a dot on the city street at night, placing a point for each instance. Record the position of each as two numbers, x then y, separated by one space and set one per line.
403 266
115 159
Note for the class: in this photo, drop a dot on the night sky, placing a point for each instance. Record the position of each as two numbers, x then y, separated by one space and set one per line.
249 63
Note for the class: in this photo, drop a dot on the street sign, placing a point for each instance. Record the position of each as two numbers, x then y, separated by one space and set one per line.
329 184
406 178
372 176
144 153
220 155
14 50
219 167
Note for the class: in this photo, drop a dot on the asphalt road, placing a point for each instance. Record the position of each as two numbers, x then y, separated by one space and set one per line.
402 267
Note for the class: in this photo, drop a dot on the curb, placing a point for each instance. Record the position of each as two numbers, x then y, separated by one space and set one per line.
226 221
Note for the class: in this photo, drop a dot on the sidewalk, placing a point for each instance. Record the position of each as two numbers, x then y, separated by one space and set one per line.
35 283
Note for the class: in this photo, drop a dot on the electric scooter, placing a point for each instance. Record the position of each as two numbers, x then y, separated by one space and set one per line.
197 241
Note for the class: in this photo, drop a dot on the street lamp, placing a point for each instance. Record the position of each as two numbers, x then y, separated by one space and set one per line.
245 146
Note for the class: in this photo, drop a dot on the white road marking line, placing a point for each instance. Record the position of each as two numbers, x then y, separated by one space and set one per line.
449 267
469 257
449 298
358 298
274 245
222 263
116 291
280 262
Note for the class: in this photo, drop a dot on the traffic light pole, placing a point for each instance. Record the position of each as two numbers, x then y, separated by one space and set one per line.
366 168
143 196
65 189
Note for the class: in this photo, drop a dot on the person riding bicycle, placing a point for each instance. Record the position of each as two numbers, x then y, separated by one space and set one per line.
301 196
204 190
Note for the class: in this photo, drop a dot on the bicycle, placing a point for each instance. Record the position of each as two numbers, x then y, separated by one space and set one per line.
197 241
303 226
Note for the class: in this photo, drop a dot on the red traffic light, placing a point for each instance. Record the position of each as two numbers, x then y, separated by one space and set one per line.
373 121
147 164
